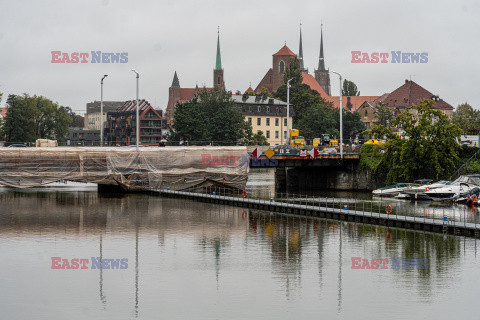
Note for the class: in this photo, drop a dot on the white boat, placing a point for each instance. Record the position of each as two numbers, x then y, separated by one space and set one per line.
461 187
419 192
393 190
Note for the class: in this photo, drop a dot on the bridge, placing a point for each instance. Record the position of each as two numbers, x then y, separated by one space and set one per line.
144 169
313 168
155 168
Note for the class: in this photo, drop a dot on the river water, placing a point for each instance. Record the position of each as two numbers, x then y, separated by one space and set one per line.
190 260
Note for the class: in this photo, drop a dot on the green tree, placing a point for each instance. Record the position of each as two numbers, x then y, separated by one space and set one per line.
302 97
349 89
321 119
209 117
352 123
34 117
265 93
293 72
384 114
467 118
77 120
428 147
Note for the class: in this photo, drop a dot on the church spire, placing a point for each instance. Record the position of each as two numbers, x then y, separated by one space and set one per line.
218 71
218 63
300 53
175 82
321 61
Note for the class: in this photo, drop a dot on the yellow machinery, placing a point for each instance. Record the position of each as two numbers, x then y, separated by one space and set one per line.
295 139
333 143
373 141
322 141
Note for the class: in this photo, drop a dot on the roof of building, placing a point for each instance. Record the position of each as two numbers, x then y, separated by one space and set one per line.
355 101
131 105
284 51
410 93
314 85
247 99
249 90
189 93
264 79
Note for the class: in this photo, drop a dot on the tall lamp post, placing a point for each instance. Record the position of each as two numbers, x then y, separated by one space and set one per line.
101 110
341 115
288 110
138 118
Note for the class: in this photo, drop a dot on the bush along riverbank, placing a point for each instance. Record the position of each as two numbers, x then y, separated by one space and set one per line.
427 148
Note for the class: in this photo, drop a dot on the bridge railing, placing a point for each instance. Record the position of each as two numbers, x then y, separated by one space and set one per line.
459 215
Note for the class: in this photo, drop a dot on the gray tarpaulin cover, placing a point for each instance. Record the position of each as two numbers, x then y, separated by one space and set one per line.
147 168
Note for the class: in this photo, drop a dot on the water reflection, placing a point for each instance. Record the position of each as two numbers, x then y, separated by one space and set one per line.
185 256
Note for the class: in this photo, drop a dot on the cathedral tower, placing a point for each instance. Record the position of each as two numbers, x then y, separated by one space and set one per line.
322 75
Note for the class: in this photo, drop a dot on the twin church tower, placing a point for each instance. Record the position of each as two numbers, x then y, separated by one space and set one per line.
272 80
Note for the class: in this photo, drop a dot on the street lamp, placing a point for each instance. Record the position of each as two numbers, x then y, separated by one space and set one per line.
138 118
101 110
341 115
288 110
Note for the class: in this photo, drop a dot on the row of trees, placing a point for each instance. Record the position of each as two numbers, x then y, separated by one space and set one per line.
33 117
212 117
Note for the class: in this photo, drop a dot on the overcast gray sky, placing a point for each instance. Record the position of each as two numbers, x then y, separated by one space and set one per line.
167 35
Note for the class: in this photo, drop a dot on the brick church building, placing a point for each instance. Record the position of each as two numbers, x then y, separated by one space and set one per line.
273 79
177 94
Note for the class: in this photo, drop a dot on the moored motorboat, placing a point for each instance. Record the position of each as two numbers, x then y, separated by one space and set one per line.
393 190
460 188
419 192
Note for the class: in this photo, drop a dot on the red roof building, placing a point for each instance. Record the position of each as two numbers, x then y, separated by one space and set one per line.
410 93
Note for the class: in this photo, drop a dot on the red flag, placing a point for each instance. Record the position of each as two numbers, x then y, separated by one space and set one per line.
254 153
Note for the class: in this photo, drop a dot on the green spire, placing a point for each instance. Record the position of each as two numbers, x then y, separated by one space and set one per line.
218 63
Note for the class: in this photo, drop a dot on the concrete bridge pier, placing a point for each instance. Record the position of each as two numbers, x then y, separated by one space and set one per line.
346 177
108 188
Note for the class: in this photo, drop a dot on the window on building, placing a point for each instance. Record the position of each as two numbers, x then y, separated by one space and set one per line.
268 134
218 80
276 122
250 120
268 121
282 67
284 134
366 113
276 134
259 121
285 122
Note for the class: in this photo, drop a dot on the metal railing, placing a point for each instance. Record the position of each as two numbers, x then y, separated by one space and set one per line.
392 210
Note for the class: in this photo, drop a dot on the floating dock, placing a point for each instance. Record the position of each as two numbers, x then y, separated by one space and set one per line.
323 211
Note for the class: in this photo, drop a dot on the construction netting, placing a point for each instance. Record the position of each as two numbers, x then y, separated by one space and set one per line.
146 168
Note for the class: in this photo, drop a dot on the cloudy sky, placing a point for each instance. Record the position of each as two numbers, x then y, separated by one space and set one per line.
167 35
